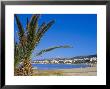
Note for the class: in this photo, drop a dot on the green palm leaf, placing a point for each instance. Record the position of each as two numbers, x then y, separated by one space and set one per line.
41 31
52 48
19 54
32 26
21 32
20 27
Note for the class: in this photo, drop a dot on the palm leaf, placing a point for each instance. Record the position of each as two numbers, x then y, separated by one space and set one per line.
42 30
41 27
27 24
21 32
16 53
52 48
19 54
32 27
20 27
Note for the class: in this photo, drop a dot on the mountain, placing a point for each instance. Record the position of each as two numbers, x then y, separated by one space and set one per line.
72 58
88 56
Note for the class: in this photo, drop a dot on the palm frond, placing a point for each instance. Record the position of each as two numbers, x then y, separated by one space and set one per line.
20 27
16 54
27 24
32 27
42 30
19 53
21 32
41 27
52 48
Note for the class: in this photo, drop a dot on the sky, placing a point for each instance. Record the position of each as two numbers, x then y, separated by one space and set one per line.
77 30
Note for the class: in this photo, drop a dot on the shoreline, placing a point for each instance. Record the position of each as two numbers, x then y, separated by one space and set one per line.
88 71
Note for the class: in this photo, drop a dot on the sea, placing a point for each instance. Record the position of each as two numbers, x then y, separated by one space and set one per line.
58 66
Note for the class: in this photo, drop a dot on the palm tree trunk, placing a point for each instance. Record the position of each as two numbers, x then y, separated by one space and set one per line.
25 69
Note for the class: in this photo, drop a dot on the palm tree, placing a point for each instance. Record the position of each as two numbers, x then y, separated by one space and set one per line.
29 38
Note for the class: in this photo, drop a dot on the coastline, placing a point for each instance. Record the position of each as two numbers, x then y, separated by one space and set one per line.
88 71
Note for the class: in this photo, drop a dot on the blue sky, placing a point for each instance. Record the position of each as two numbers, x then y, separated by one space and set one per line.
77 30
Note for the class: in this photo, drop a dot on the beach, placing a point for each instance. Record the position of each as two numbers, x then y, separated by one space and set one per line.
88 71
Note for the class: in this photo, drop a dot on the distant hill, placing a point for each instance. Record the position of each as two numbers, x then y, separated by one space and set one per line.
72 58
88 56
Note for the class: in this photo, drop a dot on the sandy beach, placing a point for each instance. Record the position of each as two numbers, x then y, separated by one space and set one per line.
88 71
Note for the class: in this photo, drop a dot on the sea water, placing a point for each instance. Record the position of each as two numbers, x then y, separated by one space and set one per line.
58 66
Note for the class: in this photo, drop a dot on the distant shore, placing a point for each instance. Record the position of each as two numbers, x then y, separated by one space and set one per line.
88 71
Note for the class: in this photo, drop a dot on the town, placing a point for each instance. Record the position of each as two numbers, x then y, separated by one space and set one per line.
75 60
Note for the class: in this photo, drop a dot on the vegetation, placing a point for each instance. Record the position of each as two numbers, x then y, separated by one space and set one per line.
29 39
